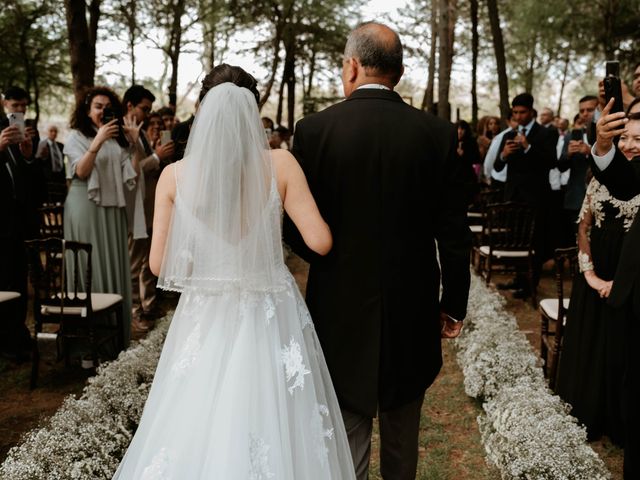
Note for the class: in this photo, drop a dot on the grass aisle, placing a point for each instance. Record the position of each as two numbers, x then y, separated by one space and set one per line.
450 447
449 444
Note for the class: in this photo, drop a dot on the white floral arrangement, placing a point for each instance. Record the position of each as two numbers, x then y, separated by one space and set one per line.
526 430
87 437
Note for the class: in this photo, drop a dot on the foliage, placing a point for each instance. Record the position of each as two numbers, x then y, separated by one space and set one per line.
33 48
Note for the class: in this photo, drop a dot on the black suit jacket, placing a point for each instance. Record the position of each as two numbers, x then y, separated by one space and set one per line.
46 163
387 181
528 173
622 179
579 165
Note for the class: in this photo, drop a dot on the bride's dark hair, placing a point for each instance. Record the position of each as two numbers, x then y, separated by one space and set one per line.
224 73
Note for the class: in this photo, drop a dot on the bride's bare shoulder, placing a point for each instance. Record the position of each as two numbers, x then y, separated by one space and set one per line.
168 179
283 161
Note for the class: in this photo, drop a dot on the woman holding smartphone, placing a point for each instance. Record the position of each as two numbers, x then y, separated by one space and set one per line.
103 160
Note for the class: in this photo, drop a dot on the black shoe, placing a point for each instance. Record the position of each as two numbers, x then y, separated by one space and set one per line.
513 284
522 293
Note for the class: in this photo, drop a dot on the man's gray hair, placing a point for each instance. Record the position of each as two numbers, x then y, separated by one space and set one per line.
373 52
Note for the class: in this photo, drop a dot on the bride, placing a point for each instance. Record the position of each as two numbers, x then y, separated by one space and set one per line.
241 390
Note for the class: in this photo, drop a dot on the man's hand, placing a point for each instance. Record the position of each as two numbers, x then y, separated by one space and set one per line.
578 146
131 128
449 328
8 136
521 139
510 147
165 150
609 126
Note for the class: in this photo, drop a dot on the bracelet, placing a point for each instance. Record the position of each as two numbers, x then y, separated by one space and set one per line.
584 262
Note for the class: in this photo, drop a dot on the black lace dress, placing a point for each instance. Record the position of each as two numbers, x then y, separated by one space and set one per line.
593 359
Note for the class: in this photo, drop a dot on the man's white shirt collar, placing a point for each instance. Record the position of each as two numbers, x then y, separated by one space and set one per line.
379 86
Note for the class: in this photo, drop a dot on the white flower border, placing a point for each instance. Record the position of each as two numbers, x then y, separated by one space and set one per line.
87 437
526 430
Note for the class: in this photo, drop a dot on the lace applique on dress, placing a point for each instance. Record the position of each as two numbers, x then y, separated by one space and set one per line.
188 353
269 307
321 434
158 469
597 195
259 458
293 364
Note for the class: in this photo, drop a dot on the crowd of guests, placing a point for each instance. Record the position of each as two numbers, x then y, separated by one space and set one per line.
105 175
561 173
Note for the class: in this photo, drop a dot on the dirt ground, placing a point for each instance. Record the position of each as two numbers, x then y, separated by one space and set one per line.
449 441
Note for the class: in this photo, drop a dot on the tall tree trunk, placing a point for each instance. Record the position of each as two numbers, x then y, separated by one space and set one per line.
277 39
474 63
501 63
528 85
291 92
132 53
444 60
82 42
279 110
312 71
427 100
175 45
563 82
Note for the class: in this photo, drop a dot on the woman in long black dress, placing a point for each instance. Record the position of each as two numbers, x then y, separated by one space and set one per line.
593 361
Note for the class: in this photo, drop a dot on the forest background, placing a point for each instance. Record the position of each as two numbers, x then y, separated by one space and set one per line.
463 58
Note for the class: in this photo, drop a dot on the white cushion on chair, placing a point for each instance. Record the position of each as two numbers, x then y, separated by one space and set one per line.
550 306
7 296
99 302
484 250
475 228
474 215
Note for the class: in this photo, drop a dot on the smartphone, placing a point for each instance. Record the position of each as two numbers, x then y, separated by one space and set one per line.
17 119
107 115
613 86
165 136
577 134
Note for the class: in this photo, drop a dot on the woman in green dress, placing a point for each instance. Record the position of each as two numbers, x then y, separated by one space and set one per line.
103 160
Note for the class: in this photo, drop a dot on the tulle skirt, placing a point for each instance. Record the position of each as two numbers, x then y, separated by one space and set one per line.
241 391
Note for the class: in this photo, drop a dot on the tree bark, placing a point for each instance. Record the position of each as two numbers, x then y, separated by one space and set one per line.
175 45
445 59
474 63
501 63
427 100
563 82
279 110
82 43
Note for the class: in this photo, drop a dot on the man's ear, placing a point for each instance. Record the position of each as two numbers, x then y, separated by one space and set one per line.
353 69
129 106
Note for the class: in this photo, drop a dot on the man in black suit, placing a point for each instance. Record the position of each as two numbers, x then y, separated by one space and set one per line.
50 155
530 152
622 179
386 180
18 217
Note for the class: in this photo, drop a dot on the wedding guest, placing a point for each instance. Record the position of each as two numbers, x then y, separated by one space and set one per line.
467 149
103 161
169 119
529 154
488 128
50 155
621 177
594 362
155 125
16 218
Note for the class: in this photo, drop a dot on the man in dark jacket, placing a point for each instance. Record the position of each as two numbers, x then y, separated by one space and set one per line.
386 180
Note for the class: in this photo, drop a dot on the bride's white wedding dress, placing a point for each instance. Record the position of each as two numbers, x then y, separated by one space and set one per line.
241 390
